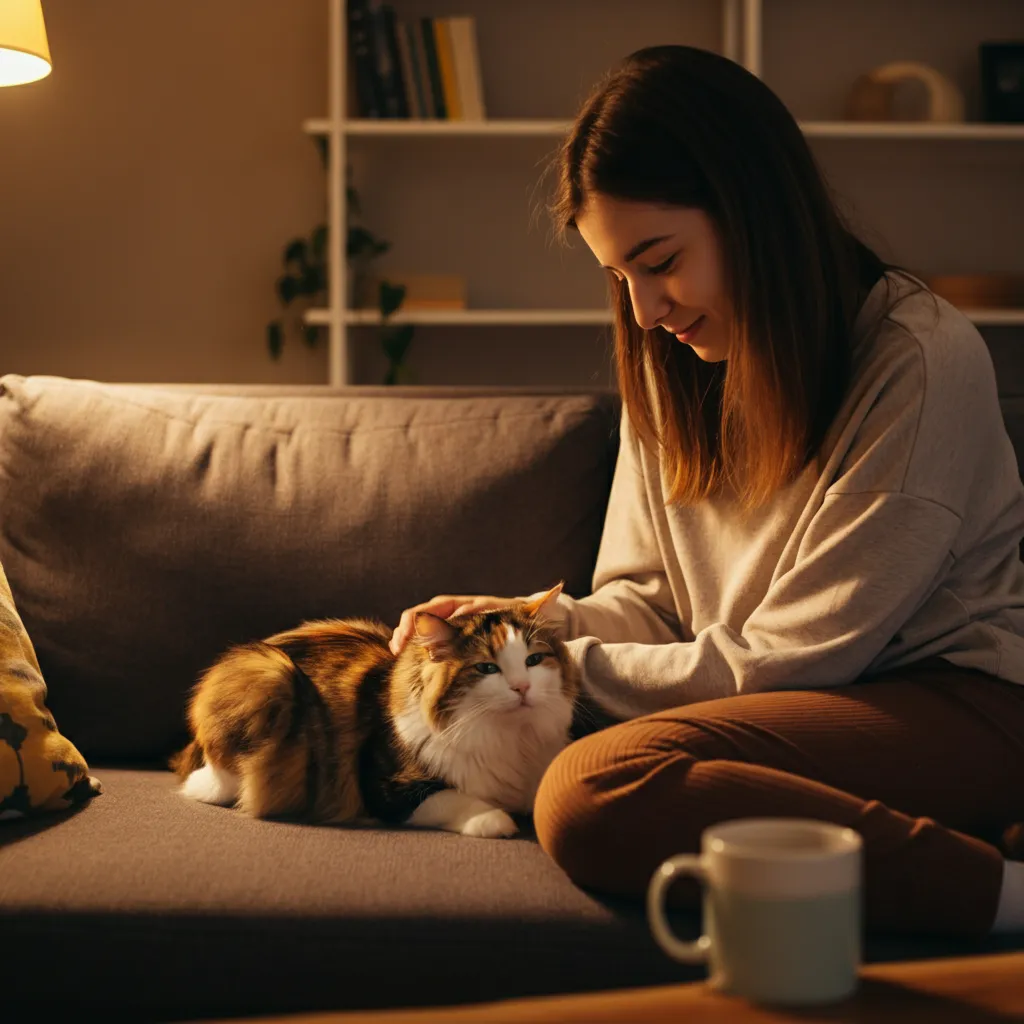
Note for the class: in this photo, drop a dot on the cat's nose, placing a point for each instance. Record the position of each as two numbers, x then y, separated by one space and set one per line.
520 686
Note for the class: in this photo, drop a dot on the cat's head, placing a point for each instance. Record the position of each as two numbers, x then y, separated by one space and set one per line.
507 666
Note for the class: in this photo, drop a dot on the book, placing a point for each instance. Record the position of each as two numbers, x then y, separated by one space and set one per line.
389 73
369 94
467 67
429 37
446 61
422 291
412 100
421 77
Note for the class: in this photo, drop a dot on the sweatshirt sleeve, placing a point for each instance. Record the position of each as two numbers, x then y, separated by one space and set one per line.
631 598
868 561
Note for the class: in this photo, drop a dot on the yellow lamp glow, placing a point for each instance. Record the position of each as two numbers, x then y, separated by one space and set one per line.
24 51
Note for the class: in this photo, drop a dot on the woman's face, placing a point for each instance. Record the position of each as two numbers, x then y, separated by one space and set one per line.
671 260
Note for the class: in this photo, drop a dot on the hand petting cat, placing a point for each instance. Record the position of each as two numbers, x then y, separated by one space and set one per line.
445 606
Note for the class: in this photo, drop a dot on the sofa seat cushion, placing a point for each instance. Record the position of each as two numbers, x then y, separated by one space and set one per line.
181 910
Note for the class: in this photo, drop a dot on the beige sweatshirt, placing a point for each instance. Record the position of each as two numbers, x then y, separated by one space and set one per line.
906 546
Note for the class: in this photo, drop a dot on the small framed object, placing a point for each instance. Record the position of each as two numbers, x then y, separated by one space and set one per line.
1002 81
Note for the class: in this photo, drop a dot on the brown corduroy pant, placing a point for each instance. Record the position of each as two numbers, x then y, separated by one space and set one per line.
925 762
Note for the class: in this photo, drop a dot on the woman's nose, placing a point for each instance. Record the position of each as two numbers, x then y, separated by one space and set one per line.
650 304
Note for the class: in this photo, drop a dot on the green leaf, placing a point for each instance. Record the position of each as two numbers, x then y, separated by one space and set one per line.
311 334
395 342
296 253
352 199
319 242
287 288
391 298
322 144
360 241
311 281
275 339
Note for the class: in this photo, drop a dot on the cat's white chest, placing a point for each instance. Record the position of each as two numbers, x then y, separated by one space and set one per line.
499 762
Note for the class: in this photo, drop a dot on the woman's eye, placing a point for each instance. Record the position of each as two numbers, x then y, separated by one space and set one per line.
535 659
664 267
486 668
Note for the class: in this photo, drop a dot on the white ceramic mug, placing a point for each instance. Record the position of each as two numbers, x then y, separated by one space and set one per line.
782 909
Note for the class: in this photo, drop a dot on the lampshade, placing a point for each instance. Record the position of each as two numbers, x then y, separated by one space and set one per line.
24 51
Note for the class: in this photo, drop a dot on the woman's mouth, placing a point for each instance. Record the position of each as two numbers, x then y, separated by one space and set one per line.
691 332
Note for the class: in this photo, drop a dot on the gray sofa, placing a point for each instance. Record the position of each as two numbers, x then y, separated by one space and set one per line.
145 528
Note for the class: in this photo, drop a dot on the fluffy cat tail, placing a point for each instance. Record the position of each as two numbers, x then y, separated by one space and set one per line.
187 761
269 725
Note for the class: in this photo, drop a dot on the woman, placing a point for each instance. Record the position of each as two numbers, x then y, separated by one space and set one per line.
809 599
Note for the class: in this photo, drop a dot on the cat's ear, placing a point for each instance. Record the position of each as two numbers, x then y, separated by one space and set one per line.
434 635
542 604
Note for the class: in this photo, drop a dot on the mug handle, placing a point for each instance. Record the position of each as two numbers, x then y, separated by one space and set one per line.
684 864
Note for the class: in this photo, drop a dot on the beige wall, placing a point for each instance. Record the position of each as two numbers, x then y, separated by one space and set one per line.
147 188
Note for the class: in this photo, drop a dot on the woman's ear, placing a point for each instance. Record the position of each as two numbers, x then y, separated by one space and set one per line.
542 604
435 635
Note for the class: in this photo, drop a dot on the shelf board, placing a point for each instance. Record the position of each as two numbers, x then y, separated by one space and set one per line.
469 317
398 128
995 317
394 127
570 317
911 130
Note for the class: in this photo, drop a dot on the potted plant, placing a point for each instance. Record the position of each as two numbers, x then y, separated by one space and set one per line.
304 284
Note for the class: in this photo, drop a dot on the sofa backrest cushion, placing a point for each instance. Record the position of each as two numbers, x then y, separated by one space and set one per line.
144 528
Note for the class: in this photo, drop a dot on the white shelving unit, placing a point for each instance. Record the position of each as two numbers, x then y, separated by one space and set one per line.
573 317
741 34
813 129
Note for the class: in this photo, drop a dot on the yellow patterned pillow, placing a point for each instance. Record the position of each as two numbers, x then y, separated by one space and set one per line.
40 770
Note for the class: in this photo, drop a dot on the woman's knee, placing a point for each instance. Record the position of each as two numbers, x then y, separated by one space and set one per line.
594 797
566 810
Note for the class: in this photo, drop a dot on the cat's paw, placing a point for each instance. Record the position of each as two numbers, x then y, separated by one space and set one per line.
211 785
493 824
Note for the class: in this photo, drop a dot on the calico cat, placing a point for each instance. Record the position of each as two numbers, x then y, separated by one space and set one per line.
325 724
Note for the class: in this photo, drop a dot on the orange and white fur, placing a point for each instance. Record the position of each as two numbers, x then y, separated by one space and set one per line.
324 723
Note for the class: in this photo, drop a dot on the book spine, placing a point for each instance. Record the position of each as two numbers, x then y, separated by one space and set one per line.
369 98
382 59
467 67
421 81
412 100
433 66
396 73
450 83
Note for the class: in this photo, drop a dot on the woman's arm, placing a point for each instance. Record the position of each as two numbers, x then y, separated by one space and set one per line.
631 599
868 562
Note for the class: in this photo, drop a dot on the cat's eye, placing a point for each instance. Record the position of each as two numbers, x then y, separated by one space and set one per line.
535 659
486 668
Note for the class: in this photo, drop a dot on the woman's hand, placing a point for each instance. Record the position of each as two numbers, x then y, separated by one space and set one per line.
444 607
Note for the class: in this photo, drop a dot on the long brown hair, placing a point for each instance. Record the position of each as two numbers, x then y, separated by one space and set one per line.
687 127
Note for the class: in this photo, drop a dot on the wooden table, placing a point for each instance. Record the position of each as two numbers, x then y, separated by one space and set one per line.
983 989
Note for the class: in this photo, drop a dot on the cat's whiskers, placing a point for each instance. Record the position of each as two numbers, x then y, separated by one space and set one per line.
452 733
